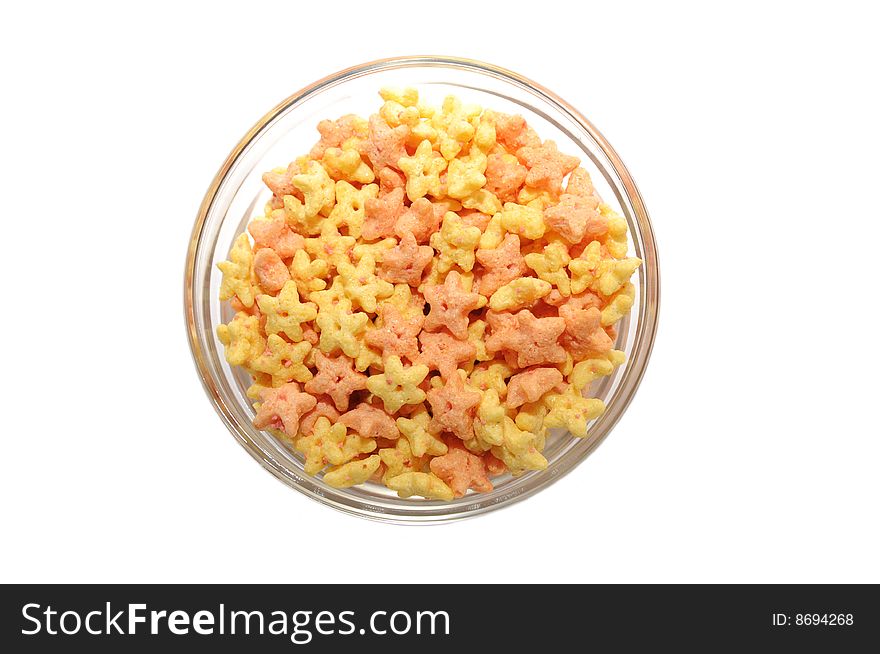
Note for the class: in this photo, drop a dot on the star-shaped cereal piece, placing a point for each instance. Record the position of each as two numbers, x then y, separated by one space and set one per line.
530 386
489 422
520 451
525 220
331 445
423 484
337 378
269 269
618 305
237 272
405 263
465 175
350 206
242 338
381 214
385 146
377 250
443 352
336 132
491 375
308 274
450 305
512 132
330 246
279 181
530 418
397 334
504 176
583 268
550 265
519 294
283 360
281 408
325 408
317 188
455 243
454 125
572 411
421 219
584 335
530 340
341 328
274 233
285 313
576 218
547 166
417 432
352 473
453 406
361 284
585 372
422 171
501 265
346 164
461 470
370 422
397 385
400 459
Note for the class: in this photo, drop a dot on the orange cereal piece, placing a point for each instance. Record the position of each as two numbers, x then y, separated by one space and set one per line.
385 146
405 263
474 218
494 465
450 305
398 333
584 334
453 407
323 409
583 300
390 179
336 132
501 265
272 273
529 340
337 378
442 351
530 386
381 214
576 218
277 235
547 166
370 422
281 184
421 219
512 131
282 408
461 470
504 176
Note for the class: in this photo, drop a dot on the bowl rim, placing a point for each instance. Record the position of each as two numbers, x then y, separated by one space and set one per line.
647 328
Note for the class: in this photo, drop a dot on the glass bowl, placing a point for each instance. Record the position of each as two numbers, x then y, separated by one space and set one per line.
237 194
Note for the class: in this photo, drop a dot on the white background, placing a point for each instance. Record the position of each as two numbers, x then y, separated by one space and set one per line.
751 450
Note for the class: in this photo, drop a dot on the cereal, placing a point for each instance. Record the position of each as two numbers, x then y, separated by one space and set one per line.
430 292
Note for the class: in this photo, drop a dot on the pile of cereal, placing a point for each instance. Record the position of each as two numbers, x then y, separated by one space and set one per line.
429 292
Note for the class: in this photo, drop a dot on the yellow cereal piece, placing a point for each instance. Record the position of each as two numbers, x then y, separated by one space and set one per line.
415 430
330 246
350 203
455 243
409 305
407 97
341 329
361 285
347 165
572 411
261 384
526 221
584 267
454 125
494 234
399 460
614 273
395 114
425 484
398 385
353 472
477 337
328 298
566 366
375 250
519 293
242 339
317 188
484 135
283 360
615 242
530 418
367 357
295 215
285 313
589 370
542 198
465 175
331 445
307 274
619 305
238 271
422 171
519 451
550 265
489 425
483 201
492 376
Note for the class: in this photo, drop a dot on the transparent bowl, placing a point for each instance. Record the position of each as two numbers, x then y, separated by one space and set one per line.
237 194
